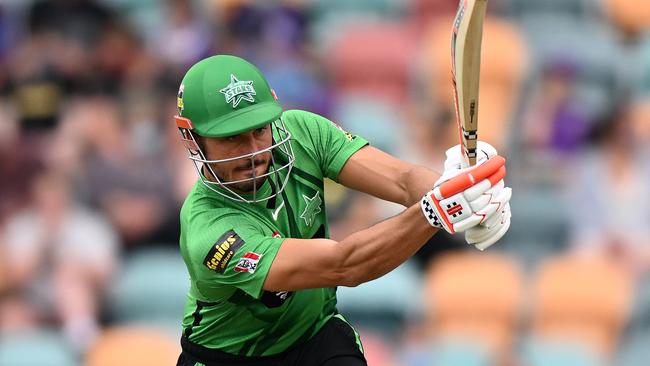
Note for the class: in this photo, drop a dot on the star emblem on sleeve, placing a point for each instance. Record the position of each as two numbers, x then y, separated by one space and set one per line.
238 90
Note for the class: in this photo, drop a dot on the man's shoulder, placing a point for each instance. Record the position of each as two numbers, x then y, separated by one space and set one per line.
200 209
301 118
293 115
203 221
306 127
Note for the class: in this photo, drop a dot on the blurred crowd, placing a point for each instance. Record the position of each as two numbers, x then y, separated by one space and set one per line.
92 174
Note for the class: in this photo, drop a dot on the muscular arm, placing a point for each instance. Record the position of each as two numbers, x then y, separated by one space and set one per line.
369 253
361 257
381 175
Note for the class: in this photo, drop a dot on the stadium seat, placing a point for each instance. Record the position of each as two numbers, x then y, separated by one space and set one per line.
425 12
575 9
450 352
631 16
331 19
151 286
501 76
538 229
377 121
374 59
641 71
634 351
544 353
375 304
474 296
581 299
35 347
145 16
640 316
379 351
133 347
359 8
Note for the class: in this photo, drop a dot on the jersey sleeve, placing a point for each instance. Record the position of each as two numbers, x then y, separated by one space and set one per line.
332 145
232 253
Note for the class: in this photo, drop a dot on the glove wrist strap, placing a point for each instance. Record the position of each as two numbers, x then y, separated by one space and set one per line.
429 212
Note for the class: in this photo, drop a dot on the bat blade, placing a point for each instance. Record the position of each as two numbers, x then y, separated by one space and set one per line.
466 42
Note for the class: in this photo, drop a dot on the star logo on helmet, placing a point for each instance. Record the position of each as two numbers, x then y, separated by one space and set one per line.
237 91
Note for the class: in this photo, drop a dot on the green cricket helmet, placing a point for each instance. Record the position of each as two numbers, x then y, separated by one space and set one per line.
223 96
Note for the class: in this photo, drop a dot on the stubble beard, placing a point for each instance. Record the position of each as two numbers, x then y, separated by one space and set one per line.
245 187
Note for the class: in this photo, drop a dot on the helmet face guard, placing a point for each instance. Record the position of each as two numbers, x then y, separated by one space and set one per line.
280 148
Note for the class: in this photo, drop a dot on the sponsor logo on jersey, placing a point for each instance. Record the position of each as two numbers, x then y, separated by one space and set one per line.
277 211
275 299
248 262
276 234
311 209
223 251
348 135
237 91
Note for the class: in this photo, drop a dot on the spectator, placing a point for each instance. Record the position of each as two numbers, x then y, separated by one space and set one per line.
554 120
186 37
60 256
610 190
125 172
79 20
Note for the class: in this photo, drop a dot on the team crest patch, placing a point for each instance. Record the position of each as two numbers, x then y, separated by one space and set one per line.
238 90
311 209
223 251
248 262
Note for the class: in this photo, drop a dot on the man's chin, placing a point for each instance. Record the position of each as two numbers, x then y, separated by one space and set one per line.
248 187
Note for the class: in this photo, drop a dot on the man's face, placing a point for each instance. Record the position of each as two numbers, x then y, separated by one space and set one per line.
217 148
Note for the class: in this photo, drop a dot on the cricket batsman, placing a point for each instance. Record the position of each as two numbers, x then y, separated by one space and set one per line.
254 234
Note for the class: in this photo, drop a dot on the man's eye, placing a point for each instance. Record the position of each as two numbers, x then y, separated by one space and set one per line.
261 130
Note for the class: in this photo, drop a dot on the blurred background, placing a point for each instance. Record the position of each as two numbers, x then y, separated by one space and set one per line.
92 174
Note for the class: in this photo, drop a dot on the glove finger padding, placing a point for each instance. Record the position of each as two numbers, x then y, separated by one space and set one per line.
494 238
485 198
494 219
483 236
485 206
492 170
495 203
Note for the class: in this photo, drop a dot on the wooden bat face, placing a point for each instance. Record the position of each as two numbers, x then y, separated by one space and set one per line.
466 39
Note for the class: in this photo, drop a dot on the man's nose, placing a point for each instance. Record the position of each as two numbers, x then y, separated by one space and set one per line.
250 144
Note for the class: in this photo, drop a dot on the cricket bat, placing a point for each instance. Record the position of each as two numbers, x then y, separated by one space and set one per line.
466 41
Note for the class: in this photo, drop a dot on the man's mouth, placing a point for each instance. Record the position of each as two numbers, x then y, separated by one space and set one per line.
251 167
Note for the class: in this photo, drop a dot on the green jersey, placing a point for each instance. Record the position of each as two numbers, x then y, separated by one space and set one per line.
228 248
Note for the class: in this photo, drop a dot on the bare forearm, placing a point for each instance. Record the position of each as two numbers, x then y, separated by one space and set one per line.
418 181
375 251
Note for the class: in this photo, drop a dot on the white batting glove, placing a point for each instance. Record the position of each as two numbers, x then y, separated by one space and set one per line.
456 162
458 200
495 225
497 220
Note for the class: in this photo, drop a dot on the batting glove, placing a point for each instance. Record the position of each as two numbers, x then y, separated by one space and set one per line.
497 221
458 200
495 225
